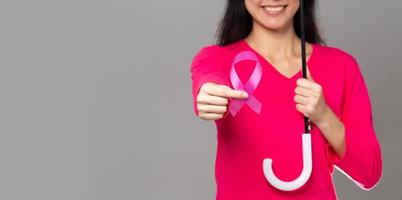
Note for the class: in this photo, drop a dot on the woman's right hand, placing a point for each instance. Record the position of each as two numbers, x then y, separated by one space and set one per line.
213 99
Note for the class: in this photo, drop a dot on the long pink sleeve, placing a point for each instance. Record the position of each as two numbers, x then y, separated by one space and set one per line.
206 67
362 160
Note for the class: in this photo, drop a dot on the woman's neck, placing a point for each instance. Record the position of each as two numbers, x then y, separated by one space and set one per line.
276 44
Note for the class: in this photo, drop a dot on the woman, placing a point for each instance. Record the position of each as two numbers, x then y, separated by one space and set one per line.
334 97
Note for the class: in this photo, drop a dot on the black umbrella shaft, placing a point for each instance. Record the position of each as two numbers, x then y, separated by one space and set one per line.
303 50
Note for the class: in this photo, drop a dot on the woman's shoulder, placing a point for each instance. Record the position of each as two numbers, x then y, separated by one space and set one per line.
209 50
215 52
218 49
337 56
335 52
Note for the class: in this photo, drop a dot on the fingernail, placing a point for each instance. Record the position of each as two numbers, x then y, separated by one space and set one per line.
245 94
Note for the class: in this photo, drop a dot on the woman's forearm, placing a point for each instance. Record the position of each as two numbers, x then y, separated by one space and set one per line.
333 130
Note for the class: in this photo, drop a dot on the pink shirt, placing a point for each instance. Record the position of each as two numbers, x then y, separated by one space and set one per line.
243 141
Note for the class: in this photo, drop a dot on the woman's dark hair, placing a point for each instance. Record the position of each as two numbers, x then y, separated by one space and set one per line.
237 23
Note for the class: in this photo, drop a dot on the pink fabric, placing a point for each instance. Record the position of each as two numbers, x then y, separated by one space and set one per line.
246 139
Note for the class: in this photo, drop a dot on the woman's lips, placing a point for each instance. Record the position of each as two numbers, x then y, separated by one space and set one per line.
274 10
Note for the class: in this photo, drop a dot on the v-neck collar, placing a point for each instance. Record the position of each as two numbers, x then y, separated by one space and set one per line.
308 62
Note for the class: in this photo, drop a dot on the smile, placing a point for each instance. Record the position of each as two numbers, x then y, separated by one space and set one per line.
274 10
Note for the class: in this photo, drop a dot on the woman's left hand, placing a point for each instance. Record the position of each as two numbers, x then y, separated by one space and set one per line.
310 99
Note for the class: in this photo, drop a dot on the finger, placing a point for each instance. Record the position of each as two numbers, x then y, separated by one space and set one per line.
225 91
211 109
213 100
303 109
302 82
301 99
305 92
210 116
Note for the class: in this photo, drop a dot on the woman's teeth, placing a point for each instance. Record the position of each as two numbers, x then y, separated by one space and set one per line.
274 9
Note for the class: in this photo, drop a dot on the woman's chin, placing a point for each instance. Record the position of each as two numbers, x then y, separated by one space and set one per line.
274 26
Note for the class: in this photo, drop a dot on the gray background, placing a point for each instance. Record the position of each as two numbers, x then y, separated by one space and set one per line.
96 96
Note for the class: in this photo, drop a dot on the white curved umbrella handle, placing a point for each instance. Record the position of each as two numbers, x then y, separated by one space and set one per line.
304 176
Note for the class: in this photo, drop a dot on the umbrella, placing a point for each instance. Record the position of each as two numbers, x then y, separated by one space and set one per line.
306 137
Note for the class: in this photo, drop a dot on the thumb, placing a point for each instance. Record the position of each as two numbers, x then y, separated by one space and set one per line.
309 76
237 94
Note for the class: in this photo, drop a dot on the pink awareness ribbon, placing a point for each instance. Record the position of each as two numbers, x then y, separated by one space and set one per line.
249 87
